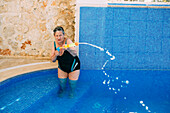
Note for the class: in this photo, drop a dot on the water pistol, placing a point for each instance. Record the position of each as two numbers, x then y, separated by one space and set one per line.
68 45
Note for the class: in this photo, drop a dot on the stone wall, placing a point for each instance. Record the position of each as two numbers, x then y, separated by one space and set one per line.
26 26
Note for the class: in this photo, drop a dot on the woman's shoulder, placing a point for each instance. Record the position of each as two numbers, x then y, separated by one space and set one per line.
54 44
68 41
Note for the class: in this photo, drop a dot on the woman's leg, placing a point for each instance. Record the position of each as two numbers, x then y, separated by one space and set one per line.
73 77
62 74
62 81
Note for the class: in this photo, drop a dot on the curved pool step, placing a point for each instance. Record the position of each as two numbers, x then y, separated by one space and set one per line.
21 95
52 104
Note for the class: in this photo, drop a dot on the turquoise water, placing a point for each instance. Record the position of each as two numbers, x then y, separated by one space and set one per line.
146 91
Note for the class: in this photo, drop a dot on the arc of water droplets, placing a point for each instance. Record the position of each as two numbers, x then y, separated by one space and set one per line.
2 108
109 81
146 107
101 49
112 58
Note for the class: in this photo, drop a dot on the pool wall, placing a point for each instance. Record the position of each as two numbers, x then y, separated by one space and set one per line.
138 37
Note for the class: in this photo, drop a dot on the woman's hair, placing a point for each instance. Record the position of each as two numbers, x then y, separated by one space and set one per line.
58 28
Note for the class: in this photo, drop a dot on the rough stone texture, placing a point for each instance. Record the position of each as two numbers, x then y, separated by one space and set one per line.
26 26
8 31
1 41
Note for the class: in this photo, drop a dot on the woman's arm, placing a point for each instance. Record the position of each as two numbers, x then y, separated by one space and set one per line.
72 50
54 53
70 42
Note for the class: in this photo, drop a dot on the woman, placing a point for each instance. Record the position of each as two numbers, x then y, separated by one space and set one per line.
68 61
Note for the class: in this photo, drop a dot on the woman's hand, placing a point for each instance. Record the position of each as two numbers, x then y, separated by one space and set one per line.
54 56
64 47
56 53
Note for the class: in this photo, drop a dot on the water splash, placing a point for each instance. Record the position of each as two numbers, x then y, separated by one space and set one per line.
105 64
108 53
111 80
146 107
101 49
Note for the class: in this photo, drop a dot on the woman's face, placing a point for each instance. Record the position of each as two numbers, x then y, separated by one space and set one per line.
59 36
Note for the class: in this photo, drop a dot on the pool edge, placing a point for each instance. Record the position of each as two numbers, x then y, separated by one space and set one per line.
9 73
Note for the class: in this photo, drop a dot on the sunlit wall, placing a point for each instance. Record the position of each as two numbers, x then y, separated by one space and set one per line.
26 26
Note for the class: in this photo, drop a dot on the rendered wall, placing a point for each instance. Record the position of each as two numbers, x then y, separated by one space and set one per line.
139 38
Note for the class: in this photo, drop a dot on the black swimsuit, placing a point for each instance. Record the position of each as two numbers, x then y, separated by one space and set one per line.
67 62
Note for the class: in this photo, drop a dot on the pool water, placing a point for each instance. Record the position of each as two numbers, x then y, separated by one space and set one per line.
145 91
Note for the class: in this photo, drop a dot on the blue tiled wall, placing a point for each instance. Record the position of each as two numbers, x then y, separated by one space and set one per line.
139 38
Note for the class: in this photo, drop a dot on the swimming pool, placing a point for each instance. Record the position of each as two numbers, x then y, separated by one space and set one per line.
123 91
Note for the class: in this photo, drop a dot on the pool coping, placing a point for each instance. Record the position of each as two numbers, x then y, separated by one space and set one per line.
140 4
10 72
